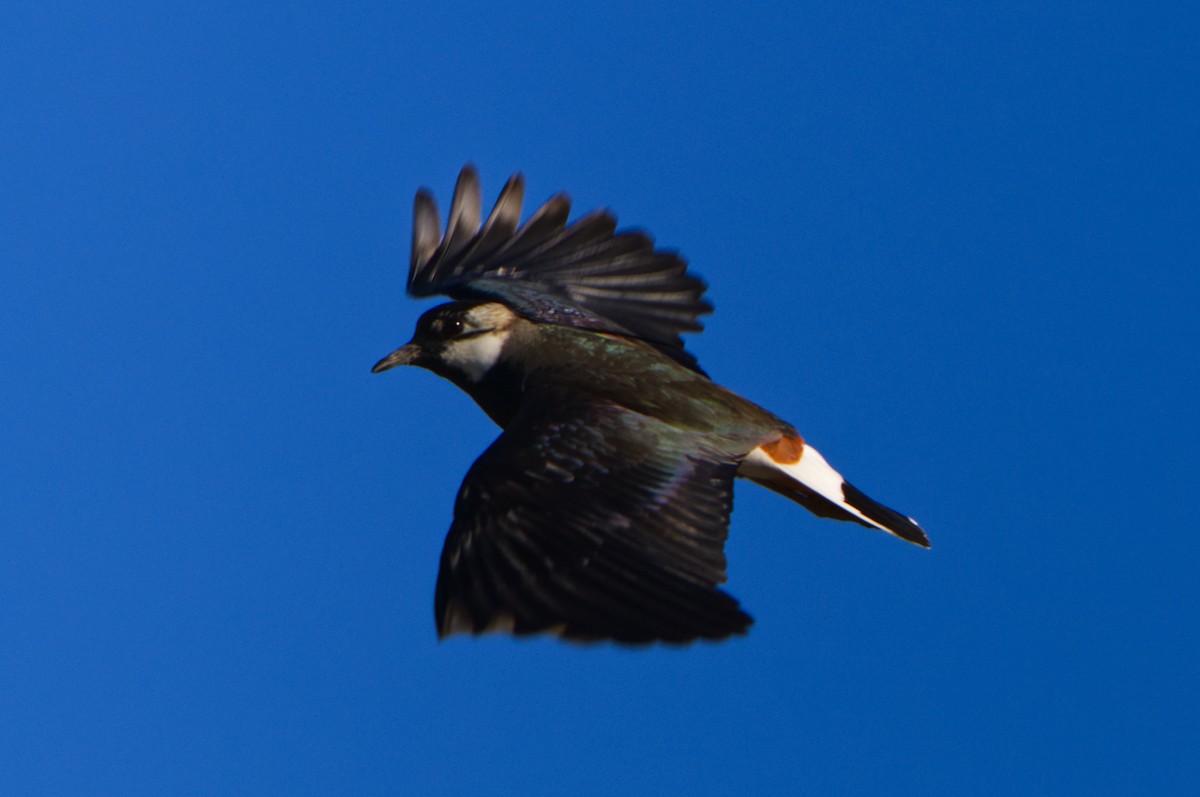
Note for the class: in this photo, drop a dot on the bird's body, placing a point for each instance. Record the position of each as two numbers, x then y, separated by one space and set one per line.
536 358
601 511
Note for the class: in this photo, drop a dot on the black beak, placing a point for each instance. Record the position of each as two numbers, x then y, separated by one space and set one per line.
405 355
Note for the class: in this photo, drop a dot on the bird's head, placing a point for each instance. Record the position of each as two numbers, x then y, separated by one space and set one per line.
460 341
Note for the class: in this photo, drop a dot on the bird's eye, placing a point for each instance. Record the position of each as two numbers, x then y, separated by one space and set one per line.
454 327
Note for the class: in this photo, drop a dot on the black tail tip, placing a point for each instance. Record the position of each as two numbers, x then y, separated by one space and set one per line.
903 527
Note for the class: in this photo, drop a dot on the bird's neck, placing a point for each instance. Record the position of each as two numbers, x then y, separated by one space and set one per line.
498 393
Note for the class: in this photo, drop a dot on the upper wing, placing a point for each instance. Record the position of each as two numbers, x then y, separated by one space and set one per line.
590 521
584 274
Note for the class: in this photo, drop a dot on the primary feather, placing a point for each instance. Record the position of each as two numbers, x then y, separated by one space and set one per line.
585 274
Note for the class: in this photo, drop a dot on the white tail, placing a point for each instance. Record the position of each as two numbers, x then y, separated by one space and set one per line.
794 469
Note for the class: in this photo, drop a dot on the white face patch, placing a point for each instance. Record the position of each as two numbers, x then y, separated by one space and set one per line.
475 355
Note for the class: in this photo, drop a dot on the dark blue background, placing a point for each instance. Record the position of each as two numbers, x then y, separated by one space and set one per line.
955 244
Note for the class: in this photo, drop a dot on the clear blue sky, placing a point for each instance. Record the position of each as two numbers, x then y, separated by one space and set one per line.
954 244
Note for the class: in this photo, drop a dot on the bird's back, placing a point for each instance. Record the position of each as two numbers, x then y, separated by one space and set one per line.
638 377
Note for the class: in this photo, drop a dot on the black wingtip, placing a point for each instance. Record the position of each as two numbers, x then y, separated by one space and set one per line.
722 620
426 232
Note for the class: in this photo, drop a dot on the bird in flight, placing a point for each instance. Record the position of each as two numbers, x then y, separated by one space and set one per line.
601 511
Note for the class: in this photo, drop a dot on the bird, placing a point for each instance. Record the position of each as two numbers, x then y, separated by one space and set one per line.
601 511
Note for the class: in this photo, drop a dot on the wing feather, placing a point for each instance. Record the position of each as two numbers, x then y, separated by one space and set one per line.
585 274
593 522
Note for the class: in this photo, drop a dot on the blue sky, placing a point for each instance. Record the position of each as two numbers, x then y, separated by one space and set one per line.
954 244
